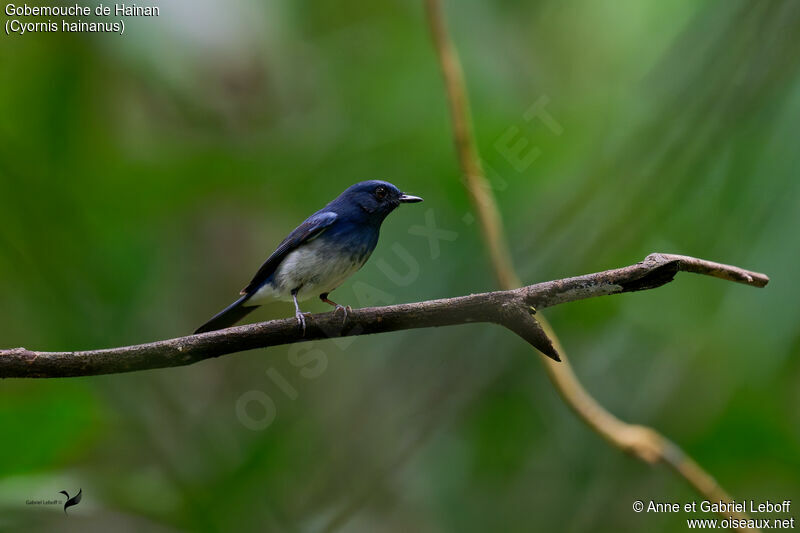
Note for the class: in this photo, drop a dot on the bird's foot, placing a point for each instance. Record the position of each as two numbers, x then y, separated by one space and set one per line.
345 310
301 321
336 307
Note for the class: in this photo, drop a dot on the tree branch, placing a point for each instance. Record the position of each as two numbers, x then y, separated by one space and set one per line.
491 223
512 309
639 441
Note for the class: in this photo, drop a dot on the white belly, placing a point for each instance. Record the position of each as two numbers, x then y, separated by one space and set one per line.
315 268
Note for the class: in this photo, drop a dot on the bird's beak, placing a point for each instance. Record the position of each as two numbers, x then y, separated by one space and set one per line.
408 199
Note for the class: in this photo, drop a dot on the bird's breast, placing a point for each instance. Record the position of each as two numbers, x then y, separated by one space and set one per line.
316 267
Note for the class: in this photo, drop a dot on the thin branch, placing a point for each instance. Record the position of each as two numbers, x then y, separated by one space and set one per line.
642 442
478 188
512 309
639 441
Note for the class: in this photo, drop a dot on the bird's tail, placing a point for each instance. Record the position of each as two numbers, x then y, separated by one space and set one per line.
228 316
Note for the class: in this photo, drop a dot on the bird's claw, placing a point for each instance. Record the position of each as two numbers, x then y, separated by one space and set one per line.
301 321
345 311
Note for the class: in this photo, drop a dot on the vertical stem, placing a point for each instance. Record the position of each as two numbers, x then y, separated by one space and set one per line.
474 179
642 442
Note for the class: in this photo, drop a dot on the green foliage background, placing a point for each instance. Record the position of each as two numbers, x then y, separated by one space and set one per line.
144 177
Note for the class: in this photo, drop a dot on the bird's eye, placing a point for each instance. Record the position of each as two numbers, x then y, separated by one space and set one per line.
380 193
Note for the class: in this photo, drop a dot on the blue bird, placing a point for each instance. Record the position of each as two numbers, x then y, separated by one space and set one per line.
322 252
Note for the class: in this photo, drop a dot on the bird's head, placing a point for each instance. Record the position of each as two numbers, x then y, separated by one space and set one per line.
374 198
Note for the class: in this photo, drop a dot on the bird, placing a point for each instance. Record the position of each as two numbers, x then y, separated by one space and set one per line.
320 254
75 500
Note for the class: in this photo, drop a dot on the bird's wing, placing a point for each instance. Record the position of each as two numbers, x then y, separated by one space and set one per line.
312 227
77 498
